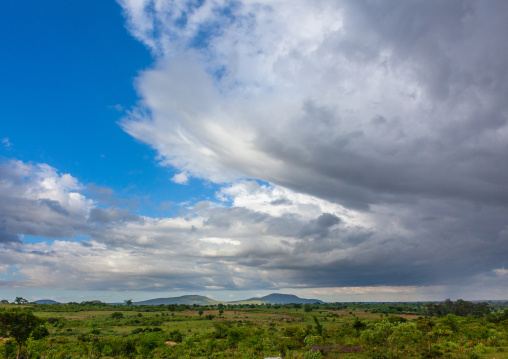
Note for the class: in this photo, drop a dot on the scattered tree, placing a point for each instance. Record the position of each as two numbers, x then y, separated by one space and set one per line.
358 325
19 325
20 300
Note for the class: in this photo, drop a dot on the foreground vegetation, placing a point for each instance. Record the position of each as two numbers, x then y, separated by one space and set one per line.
341 330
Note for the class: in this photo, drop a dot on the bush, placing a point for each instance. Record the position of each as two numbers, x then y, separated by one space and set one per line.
116 315
176 336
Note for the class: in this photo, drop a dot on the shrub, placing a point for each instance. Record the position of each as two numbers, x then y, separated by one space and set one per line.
116 315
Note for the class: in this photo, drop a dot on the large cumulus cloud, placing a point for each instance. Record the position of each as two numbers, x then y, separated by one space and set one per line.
358 103
395 111
37 200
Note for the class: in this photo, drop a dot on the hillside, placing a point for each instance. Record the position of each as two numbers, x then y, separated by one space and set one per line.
45 301
286 299
202 300
278 299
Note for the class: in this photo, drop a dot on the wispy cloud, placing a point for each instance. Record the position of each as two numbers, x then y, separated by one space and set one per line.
6 143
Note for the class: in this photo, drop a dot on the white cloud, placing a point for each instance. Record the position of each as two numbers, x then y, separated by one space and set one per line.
327 98
500 272
180 178
220 241
35 199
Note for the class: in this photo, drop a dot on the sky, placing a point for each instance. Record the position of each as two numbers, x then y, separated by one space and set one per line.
339 150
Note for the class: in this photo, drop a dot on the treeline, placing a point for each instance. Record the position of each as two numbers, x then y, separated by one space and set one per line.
461 308
101 306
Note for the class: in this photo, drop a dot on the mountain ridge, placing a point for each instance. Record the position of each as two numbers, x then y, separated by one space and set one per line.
276 298
192 299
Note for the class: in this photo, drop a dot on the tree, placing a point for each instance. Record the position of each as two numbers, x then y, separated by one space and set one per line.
128 302
19 324
358 325
319 327
4 301
20 300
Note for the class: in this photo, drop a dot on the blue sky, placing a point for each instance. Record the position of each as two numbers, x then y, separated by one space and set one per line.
68 72
333 150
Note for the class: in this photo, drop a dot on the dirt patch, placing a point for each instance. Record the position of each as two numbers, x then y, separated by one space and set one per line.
171 343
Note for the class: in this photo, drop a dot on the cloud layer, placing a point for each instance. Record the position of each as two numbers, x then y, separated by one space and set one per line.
254 237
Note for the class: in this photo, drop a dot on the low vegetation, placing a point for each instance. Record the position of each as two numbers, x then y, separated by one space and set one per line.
92 330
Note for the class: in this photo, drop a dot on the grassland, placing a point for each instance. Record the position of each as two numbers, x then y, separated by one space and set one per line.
339 330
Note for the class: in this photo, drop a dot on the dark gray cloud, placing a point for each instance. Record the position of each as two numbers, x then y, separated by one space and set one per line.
54 206
320 227
8 237
111 215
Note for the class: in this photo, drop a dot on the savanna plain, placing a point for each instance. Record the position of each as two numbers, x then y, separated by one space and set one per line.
449 329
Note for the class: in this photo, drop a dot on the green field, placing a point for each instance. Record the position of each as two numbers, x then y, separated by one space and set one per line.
339 330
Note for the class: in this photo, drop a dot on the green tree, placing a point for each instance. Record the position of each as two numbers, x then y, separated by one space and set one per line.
404 336
19 325
147 343
128 302
20 300
221 330
358 325
319 327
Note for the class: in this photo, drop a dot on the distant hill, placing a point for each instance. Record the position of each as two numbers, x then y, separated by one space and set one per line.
45 301
185 299
202 300
283 299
